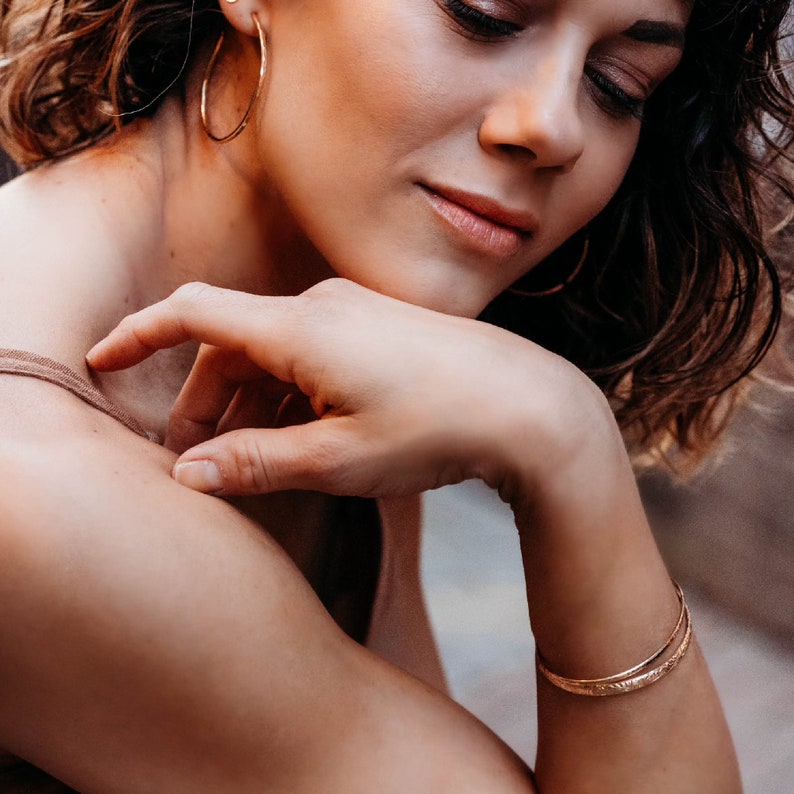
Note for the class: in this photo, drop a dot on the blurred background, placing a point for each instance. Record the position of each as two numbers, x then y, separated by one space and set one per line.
728 537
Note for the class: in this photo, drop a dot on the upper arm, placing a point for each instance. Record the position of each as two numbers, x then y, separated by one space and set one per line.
151 639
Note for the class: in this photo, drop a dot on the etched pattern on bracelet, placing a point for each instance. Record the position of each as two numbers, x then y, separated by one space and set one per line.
632 679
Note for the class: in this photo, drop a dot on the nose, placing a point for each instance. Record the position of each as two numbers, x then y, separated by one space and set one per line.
538 117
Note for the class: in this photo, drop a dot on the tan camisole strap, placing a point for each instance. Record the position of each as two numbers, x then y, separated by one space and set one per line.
32 365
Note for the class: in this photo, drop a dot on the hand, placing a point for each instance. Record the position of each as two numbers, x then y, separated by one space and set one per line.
404 399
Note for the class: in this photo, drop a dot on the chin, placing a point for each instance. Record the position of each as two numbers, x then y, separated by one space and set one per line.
444 299
442 288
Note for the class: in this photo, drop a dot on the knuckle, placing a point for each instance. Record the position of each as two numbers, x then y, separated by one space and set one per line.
139 332
189 294
128 326
318 462
326 463
142 339
328 304
315 311
249 465
329 288
326 296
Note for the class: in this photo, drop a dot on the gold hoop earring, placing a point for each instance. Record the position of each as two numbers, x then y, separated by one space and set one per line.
208 74
542 293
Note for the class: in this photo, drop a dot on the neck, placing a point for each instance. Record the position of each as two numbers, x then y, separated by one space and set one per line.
189 210
210 217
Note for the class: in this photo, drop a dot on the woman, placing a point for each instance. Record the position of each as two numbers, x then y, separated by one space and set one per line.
430 153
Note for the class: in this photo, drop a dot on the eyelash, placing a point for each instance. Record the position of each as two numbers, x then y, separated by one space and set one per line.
479 24
613 99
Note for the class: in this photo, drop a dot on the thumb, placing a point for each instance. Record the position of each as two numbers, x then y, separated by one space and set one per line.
259 461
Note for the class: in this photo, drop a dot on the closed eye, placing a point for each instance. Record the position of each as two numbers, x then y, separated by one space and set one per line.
477 23
612 98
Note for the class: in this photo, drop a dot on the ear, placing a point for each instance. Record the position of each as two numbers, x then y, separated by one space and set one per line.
239 13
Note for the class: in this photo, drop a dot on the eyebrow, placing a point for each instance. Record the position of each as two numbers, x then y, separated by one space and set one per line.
665 33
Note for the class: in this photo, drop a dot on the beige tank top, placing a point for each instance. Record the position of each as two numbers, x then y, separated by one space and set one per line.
32 365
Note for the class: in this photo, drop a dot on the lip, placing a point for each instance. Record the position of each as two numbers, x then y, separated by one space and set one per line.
482 222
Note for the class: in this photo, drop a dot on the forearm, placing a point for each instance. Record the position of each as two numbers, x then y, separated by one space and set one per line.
600 602
400 629
409 400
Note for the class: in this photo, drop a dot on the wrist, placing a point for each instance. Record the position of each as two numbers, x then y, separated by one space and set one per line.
598 590
567 456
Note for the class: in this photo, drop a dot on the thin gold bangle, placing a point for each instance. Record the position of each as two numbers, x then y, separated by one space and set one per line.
543 664
629 680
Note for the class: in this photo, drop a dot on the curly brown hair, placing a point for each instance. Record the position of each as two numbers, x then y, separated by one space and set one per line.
74 70
679 298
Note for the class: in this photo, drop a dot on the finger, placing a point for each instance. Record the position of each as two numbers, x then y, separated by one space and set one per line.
219 317
211 397
315 456
255 405
296 409
201 402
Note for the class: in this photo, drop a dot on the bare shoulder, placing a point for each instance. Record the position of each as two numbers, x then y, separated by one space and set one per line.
80 488
56 264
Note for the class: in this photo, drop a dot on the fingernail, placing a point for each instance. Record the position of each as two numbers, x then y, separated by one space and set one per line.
92 353
200 475
96 352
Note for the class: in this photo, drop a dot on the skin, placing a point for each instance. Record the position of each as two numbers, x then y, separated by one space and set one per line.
506 119
113 682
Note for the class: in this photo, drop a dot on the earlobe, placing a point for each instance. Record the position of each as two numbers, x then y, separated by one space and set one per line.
239 14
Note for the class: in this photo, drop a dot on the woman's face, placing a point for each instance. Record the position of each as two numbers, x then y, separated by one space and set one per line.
436 150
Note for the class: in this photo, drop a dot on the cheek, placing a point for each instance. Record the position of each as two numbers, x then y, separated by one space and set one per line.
602 169
579 196
344 99
347 117
386 72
